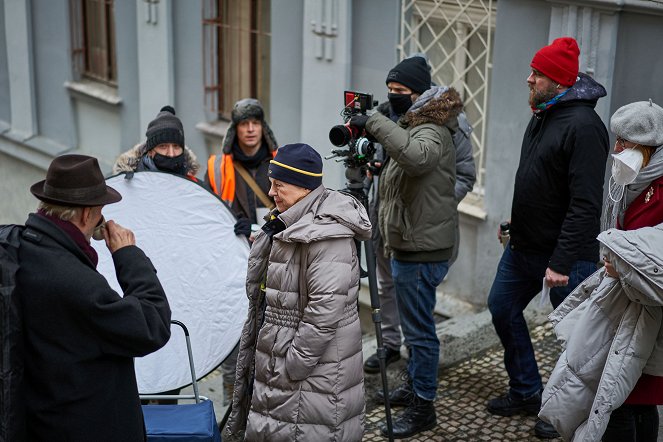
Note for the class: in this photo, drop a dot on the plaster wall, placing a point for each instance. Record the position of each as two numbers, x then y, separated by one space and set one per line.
5 105
52 68
16 179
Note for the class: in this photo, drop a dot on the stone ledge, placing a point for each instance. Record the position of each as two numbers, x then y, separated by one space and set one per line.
94 90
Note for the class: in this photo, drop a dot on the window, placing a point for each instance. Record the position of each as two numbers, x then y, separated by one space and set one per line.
457 36
93 39
236 45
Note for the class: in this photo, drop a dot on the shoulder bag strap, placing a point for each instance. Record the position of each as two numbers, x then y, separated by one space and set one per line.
254 186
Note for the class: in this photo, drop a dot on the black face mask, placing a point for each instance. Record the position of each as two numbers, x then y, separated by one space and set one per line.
400 103
170 164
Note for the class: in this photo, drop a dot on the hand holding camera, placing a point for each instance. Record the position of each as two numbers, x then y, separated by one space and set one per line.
360 149
359 121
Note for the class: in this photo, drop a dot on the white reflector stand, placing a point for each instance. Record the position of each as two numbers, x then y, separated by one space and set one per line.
187 233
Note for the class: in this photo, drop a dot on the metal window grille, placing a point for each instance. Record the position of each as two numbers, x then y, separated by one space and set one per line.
93 39
457 36
236 58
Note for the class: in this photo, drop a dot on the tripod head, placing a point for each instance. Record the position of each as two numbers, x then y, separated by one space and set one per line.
355 184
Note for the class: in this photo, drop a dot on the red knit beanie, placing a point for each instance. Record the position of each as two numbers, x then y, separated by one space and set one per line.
558 61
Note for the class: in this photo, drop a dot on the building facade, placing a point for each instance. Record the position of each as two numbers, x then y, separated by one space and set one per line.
87 76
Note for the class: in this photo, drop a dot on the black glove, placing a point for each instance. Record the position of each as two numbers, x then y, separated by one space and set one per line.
359 121
375 167
243 227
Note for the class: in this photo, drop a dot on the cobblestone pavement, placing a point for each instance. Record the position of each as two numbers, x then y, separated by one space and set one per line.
462 395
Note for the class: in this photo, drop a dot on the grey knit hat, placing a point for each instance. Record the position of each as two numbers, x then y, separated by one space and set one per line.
640 122
243 110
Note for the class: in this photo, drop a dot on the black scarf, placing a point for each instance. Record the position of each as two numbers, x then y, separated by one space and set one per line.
250 162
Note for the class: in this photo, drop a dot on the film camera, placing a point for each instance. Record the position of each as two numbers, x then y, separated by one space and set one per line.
359 149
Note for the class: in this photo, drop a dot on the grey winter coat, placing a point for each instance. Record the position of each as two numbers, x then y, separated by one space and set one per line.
611 331
299 370
418 215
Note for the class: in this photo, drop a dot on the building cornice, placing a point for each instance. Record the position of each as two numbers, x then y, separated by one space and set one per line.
649 7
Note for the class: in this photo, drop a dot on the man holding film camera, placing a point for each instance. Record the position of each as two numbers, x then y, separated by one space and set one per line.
417 219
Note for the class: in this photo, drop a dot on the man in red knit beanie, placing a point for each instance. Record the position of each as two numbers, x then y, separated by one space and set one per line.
555 214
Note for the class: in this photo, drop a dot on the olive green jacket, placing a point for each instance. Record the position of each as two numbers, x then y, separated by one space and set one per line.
418 210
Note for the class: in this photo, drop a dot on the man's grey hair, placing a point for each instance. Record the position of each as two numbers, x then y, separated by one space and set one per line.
65 213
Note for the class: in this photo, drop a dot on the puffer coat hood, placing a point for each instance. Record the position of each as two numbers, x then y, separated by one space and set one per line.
129 161
585 89
299 370
611 332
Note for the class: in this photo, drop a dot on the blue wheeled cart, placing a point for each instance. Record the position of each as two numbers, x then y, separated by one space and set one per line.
186 422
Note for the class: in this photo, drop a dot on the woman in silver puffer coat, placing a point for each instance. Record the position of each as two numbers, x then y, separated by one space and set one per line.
299 370
609 381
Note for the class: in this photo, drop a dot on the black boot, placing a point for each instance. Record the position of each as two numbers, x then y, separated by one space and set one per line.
543 430
372 364
508 405
417 417
401 395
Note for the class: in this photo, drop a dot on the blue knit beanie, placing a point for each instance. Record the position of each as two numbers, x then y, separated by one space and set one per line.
297 164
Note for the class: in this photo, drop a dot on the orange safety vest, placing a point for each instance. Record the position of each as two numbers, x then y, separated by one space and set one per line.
221 174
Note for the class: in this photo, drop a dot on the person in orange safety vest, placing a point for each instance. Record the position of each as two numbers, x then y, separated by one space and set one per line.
247 148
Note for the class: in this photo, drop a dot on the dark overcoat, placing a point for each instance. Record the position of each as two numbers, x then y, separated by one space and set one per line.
81 337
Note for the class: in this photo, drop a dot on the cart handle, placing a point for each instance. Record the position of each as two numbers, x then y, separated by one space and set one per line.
194 382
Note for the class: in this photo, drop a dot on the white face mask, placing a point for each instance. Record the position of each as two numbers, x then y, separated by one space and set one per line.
625 168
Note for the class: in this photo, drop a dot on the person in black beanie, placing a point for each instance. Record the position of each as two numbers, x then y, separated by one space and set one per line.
163 150
417 218
465 179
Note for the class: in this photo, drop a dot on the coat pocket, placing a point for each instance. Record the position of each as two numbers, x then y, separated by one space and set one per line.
399 225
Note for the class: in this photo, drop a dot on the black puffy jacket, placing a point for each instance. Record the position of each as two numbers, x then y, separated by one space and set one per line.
558 193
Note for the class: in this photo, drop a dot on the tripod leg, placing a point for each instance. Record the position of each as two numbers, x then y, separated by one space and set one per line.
377 320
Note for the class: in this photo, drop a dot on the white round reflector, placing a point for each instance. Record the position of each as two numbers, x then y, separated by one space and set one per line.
187 233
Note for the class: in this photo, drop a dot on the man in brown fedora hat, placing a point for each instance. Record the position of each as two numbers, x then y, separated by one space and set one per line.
80 335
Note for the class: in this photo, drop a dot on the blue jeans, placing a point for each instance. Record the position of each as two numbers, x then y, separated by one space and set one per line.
415 284
518 280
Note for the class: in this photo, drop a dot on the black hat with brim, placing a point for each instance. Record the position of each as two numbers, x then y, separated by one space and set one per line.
75 180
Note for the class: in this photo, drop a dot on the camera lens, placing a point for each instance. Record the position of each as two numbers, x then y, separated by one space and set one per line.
364 147
339 135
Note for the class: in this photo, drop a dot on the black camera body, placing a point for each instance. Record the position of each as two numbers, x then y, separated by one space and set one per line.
360 150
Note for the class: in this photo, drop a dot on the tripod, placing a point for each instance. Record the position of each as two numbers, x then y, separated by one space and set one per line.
355 187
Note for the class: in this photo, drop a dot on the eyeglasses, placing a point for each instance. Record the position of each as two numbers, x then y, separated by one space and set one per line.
621 142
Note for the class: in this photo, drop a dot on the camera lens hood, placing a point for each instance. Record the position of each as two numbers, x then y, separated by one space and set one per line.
340 135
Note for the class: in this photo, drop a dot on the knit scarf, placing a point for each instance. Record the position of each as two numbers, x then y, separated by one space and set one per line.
250 162
75 234
550 103
614 211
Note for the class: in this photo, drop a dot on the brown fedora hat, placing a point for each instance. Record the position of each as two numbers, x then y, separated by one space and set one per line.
75 180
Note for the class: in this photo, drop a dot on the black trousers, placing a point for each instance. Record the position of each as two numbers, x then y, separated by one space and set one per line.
632 423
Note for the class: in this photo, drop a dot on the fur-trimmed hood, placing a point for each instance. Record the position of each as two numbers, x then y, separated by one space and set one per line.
439 105
129 160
